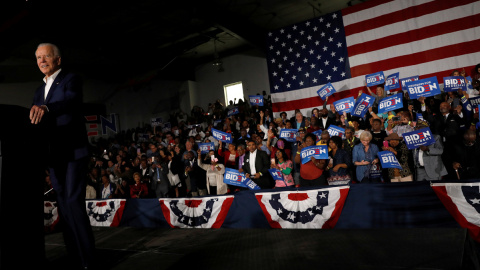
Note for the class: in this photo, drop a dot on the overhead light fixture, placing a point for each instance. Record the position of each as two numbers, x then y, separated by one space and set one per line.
216 58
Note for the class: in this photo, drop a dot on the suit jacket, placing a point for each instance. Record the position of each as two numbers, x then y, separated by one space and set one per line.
451 129
328 123
66 134
432 159
262 164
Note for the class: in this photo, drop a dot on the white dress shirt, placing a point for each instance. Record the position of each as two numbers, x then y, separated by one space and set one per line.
252 158
49 81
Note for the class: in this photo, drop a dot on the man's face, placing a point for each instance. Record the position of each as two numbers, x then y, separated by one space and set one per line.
240 151
324 113
251 146
444 107
243 132
299 117
348 134
47 62
376 125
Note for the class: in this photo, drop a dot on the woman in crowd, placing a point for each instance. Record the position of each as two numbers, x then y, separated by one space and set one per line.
280 145
312 172
400 150
175 174
139 189
285 166
365 159
215 172
340 161
228 155
314 125
107 188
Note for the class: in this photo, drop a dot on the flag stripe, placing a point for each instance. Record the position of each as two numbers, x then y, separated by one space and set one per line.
419 57
406 12
463 25
357 9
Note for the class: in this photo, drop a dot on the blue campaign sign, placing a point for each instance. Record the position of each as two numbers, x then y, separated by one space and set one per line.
390 103
406 80
335 131
420 116
256 100
467 107
416 138
361 106
423 88
277 175
316 151
375 78
206 147
344 105
389 160
326 91
475 101
222 136
454 83
250 184
469 82
156 122
392 82
318 133
288 134
234 178
233 111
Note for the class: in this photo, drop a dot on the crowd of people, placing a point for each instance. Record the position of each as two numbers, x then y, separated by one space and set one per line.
154 162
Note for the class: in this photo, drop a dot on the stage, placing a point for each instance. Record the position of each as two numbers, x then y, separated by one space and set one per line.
149 248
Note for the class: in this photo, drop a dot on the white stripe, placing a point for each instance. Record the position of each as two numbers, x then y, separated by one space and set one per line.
463 206
416 46
380 10
450 63
414 23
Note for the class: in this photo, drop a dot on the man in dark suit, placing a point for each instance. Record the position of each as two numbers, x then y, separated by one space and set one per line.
325 121
256 165
57 104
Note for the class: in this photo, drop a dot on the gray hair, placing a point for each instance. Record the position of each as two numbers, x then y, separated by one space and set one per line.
56 51
366 135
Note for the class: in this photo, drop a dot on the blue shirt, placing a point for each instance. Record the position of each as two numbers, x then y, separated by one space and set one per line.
359 154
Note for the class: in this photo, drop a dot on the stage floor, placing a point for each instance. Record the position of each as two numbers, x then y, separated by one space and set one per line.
142 248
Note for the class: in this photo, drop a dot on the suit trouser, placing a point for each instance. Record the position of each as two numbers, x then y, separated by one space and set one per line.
69 181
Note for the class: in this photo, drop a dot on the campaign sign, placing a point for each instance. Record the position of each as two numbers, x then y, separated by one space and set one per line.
167 127
420 116
288 134
156 122
392 82
363 103
335 131
390 103
326 91
222 136
416 138
389 160
318 133
234 178
316 151
469 82
406 80
233 111
206 147
454 83
256 100
344 105
423 88
277 175
475 101
375 78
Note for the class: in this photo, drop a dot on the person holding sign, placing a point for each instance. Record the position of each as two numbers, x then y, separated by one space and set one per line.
256 165
365 158
340 161
311 173
401 125
378 95
215 171
400 150
284 165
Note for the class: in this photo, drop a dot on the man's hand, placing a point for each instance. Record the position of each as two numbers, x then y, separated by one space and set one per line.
424 148
37 113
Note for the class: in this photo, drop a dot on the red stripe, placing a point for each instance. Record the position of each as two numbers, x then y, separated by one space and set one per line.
417 58
118 214
91 117
402 15
330 223
316 101
273 224
166 213
363 6
223 213
452 208
415 35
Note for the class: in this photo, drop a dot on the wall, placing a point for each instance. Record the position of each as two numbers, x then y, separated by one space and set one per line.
249 68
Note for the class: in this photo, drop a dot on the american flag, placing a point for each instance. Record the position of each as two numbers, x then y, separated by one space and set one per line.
413 37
